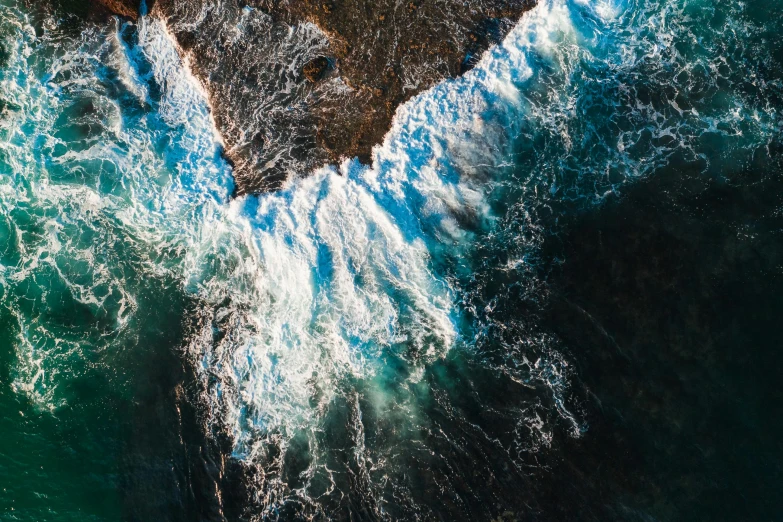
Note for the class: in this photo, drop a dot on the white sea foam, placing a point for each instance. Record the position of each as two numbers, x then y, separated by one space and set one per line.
315 283
332 275
329 279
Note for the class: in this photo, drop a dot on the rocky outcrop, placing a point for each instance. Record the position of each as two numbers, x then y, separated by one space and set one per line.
388 50
125 8
89 9
297 83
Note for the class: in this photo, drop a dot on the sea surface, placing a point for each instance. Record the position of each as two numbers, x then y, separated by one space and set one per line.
554 295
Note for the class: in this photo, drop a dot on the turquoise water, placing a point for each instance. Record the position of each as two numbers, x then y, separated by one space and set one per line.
380 342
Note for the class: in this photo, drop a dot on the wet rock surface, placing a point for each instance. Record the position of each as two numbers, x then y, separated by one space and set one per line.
95 10
126 8
252 68
296 84
387 51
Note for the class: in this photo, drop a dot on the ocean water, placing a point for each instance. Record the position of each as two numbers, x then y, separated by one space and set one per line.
553 296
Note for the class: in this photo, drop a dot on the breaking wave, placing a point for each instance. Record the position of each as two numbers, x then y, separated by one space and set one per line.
349 318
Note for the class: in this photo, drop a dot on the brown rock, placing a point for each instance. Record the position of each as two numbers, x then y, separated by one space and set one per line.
125 8
386 64
87 10
282 107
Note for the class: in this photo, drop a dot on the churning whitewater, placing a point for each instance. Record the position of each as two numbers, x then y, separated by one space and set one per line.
321 285
332 313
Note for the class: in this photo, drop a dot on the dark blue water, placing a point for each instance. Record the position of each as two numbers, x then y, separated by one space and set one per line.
552 297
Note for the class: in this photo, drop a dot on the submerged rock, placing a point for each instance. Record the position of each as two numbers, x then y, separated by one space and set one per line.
295 84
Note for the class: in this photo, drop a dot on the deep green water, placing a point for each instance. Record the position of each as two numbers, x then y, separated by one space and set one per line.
554 297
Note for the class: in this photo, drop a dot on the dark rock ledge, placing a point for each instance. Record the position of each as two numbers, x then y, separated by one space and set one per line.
294 84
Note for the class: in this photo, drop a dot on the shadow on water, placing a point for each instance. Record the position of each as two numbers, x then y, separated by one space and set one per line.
669 301
173 468
129 442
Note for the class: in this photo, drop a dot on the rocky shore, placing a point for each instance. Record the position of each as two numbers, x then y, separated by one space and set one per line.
297 83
